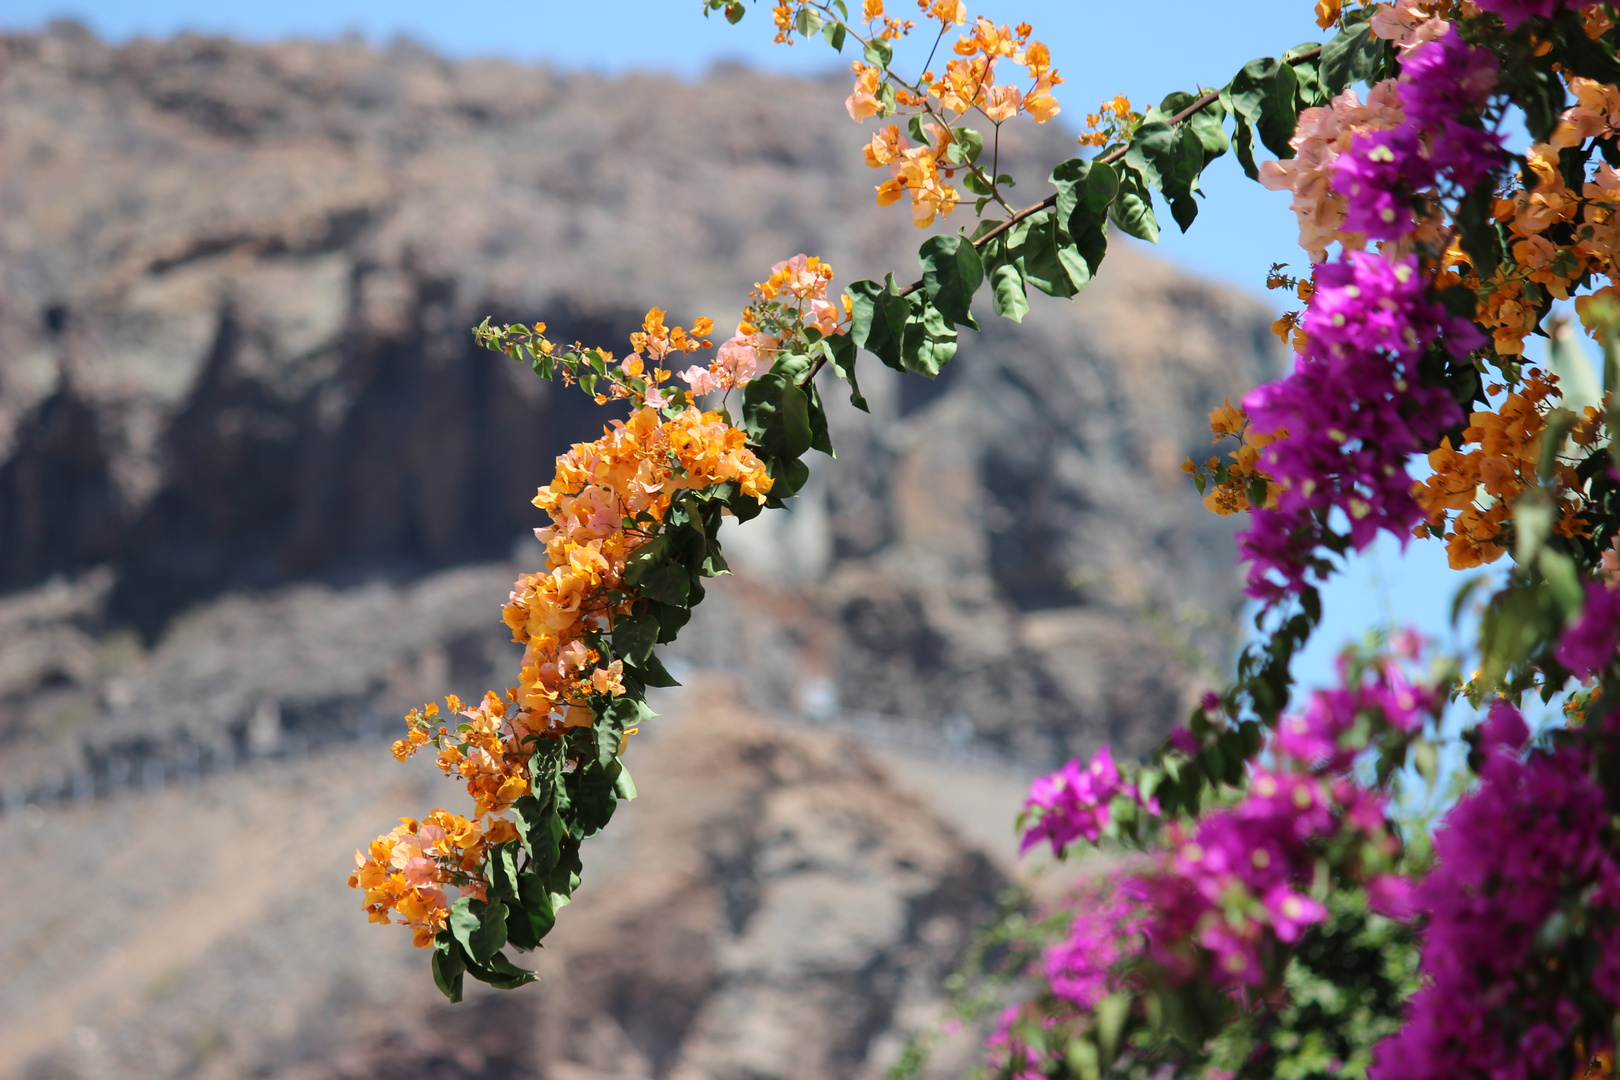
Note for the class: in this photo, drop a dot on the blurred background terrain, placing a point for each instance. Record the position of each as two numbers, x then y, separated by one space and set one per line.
259 495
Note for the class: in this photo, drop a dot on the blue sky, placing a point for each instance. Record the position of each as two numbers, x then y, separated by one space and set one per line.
1145 49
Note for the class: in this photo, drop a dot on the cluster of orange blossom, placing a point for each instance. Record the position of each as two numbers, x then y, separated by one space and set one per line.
406 871
1226 484
791 300
1113 122
1470 496
1287 327
967 85
606 499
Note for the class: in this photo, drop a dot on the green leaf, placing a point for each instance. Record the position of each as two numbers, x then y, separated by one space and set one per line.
501 973
541 829
1132 208
1251 86
879 319
624 787
879 52
652 573
503 871
1477 229
1533 518
1279 113
930 339
479 927
1563 582
1243 147
591 791
952 272
808 21
1149 149
776 416
1560 422
820 437
841 352
834 33
633 639
970 142
651 672
1038 245
1085 191
1208 127
1111 1013
1517 620
448 965
529 923
1081 1057
1007 289
787 475
1354 55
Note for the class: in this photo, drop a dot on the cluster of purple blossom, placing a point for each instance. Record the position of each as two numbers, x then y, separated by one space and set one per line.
1355 407
1588 645
1073 802
1215 904
1528 841
1386 174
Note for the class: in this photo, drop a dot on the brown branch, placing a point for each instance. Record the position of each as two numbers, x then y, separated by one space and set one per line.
1199 103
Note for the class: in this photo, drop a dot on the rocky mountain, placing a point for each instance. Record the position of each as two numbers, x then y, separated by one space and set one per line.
259 493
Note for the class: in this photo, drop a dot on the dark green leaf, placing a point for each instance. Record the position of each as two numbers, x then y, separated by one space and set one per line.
1279 113
841 352
651 672
776 416
652 573
1132 208
593 798
1243 147
879 52
633 639
952 273
501 973
1085 191
1047 257
448 965
1353 56
879 319
541 829
1477 230
479 927
1007 289
834 33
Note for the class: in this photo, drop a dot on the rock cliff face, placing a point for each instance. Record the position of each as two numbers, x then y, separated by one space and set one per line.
259 494
235 287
